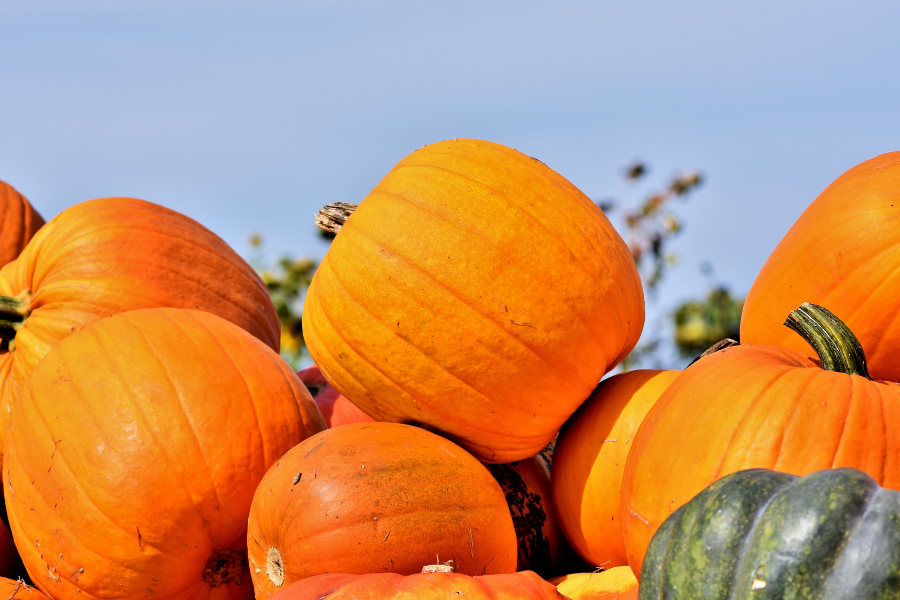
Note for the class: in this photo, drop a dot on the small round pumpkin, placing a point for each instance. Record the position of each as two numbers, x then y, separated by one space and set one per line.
589 462
335 409
19 590
475 291
423 586
617 583
761 534
135 450
19 221
760 407
374 498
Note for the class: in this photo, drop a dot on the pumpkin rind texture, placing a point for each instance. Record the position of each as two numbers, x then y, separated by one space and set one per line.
475 291
841 253
524 585
335 409
375 498
135 450
617 583
589 462
19 221
19 590
761 534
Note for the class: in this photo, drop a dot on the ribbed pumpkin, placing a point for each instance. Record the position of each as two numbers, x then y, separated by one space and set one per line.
526 484
107 256
760 534
377 497
18 223
760 407
841 253
135 450
335 409
423 586
617 583
19 590
589 462
478 292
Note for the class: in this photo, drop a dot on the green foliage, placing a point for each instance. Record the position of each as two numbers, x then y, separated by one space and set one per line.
701 323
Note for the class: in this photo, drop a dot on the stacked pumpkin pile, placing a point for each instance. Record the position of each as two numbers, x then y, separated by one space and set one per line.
156 445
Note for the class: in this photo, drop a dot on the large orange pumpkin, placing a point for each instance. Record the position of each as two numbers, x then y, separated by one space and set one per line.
134 452
376 497
841 253
423 586
18 222
760 407
617 583
478 292
19 590
589 462
106 256
335 409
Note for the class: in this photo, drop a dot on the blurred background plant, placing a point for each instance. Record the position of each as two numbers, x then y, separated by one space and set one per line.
649 226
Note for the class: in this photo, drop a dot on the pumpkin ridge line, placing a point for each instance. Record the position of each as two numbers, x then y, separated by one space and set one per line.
840 439
783 430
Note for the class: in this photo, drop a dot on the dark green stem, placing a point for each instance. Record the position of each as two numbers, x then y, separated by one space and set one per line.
837 347
13 312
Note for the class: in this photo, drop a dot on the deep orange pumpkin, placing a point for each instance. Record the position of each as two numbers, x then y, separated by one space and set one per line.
423 586
617 583
19 221
478 292
842 253
589 462
377 497
758 407
336 409
107 256
19 590
134 452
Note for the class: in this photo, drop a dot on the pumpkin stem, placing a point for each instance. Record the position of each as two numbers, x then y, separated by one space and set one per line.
13 312
333 216
837 346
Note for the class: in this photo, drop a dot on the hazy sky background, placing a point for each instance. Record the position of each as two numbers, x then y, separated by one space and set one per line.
249 116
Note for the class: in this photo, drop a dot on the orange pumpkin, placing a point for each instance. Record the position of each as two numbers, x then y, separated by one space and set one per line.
423 586
589 462
107 256
841 253
336 409
19 590
18 222
760 407
475 291
617 583
134 452
376 497
526 484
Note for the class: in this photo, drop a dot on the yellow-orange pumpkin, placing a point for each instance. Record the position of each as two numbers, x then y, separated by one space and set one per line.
617 583
335 409
478 292
19 590
135 450
19 221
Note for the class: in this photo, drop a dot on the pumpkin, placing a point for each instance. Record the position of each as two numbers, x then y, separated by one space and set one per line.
423 586
134 452
19 221
760 407
336 409
477 292
526 484
841 253
589 462
18 590
107 256
761 534
617 583
374 498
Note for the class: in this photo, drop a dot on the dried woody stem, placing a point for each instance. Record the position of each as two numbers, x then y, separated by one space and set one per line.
333 216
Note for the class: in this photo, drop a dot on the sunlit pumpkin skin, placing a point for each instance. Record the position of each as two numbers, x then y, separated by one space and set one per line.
19 221
617 583
423 586
375 498
754 407
478 292
526 484
134 452
12 589
589 462
841 253
335 409
107 256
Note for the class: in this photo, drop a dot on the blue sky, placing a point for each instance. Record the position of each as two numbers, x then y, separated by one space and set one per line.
248 116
